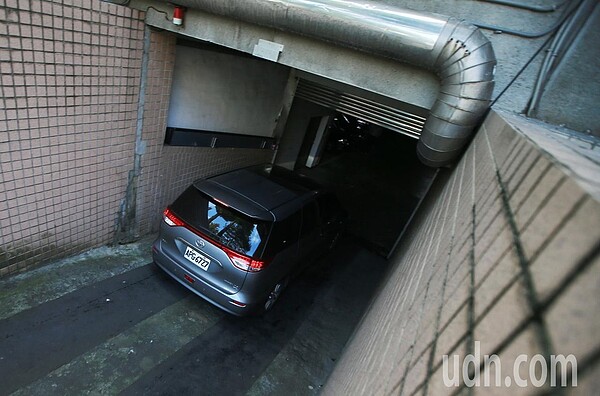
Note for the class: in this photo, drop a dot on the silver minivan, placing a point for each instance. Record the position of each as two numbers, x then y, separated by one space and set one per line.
237 239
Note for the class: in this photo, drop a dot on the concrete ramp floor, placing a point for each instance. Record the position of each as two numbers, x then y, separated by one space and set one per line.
110 321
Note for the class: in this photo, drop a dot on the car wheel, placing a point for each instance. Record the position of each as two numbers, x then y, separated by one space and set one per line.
274 294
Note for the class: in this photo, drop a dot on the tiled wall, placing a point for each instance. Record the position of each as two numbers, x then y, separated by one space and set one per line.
166 171
505 251
70 73
158 87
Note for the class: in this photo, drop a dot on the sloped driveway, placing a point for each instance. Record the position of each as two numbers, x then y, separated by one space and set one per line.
111 322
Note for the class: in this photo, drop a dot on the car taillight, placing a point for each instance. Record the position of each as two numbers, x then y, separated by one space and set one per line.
171 219
243 262
240 261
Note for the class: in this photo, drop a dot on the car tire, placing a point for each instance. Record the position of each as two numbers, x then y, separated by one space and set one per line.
274 294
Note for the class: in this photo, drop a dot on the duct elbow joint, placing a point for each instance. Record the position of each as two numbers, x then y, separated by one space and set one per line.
465 62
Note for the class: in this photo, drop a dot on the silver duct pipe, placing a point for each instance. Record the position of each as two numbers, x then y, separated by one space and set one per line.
456 51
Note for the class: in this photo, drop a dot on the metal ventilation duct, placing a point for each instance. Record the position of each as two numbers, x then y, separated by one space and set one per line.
456 51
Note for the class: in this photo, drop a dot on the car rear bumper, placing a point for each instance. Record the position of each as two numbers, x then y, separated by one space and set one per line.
200 287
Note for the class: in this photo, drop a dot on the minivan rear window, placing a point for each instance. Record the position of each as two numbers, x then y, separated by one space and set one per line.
221 223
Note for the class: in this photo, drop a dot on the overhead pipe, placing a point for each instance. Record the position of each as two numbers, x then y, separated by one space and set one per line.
458 52
556 25
560 44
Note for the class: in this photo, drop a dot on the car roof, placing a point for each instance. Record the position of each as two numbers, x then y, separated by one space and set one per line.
256 191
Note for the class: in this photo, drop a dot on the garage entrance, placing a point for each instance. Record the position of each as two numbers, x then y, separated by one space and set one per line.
363 147
376 175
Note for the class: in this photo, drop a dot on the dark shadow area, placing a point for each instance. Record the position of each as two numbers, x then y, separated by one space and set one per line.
377 176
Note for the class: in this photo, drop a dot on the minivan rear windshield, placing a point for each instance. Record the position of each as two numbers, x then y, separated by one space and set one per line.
223 224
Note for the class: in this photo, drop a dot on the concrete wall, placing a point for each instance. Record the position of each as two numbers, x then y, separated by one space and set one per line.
573 93
298 121
225 92
379 75
505 251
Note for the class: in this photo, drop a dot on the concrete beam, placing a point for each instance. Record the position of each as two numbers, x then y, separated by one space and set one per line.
372 73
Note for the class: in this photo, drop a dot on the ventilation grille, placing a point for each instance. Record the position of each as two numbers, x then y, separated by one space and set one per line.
388 117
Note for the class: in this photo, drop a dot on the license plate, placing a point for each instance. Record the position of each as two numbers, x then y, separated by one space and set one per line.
197 258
